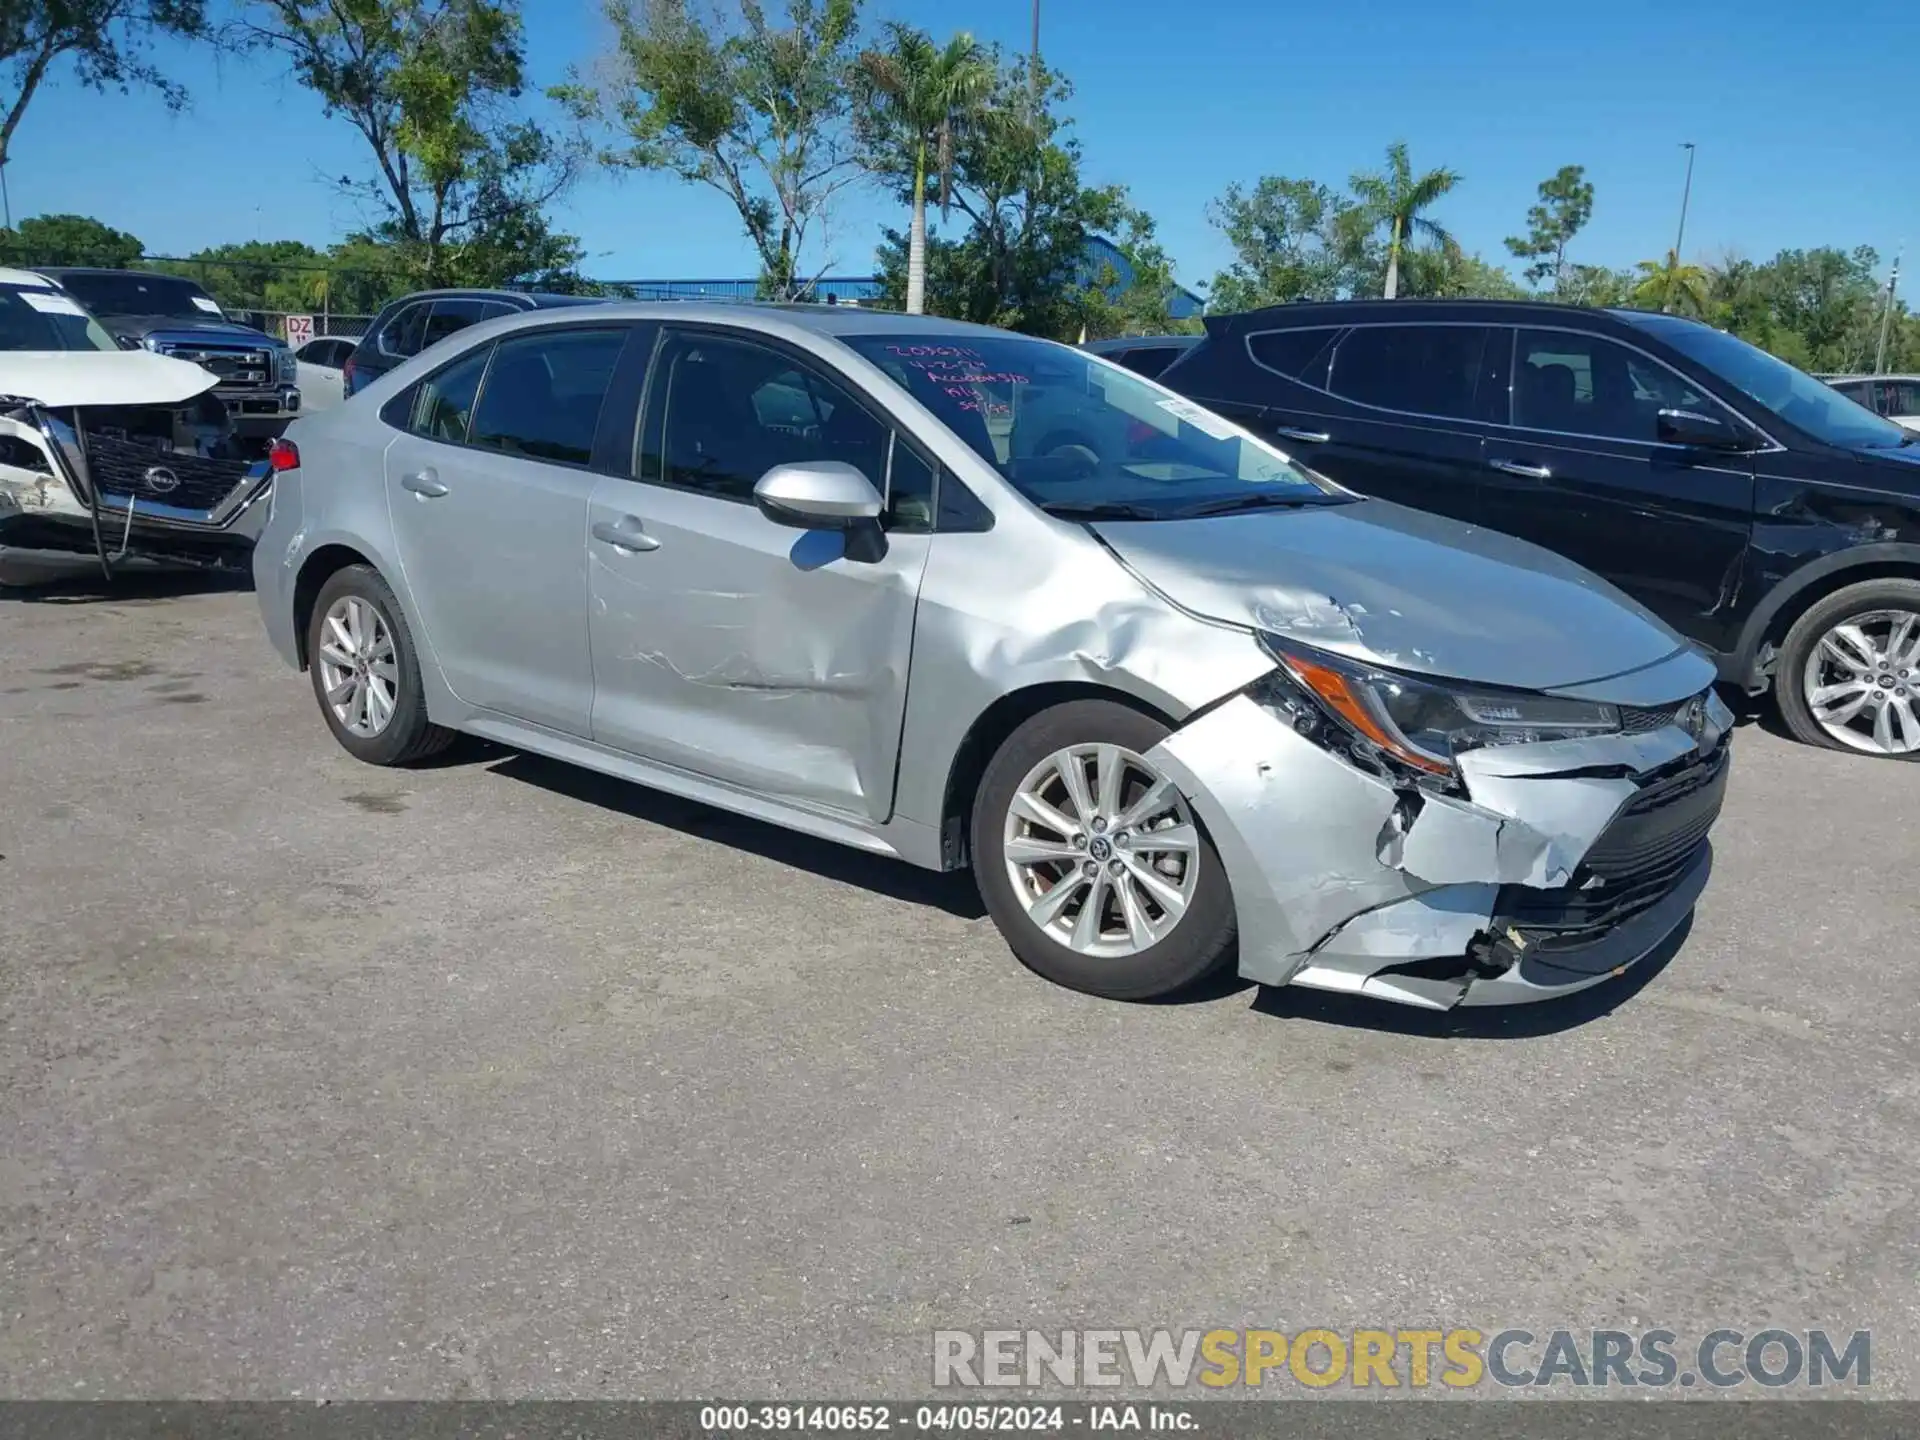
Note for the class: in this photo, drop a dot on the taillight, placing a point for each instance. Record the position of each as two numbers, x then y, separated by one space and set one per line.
283 455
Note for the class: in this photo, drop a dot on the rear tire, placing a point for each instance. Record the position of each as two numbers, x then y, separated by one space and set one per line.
1165 916
366 673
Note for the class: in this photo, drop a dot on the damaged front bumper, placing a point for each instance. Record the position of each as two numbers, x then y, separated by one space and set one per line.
1565 862
157 505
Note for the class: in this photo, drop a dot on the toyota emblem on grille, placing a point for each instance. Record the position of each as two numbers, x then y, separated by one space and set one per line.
160 479
1693 717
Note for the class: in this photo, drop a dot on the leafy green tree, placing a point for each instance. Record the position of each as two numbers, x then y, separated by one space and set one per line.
68 240
460 176
1669 285
1292 240
1597 285
917 97
758 110
1398 199
1453 275
1566 204
1139 298
104 40
1023 261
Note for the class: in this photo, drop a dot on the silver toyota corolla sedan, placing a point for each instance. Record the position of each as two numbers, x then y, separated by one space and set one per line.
967 598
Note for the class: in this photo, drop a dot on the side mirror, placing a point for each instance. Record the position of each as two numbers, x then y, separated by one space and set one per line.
817 495
1706 432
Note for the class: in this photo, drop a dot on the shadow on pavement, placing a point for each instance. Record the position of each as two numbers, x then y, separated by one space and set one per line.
78 581
1493 1022
953 892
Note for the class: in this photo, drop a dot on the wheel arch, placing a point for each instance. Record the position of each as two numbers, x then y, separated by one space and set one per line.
321 565
990 730
1807 587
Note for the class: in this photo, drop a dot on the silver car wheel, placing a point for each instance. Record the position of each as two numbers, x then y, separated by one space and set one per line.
1862 682
1101 850
358 668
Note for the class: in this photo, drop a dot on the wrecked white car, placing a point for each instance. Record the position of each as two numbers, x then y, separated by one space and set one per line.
971 599
115 453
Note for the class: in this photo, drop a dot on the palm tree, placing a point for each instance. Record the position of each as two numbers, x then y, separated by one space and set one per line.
1394 198
1669 285
922 95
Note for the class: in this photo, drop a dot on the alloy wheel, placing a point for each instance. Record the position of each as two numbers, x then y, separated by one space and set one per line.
1101 850
358 668
1862 682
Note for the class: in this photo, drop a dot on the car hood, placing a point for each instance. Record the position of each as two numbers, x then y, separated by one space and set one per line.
136 327
1380 583
60 378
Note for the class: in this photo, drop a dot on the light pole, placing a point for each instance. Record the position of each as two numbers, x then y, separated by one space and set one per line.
1673 266
1886 316
1033 65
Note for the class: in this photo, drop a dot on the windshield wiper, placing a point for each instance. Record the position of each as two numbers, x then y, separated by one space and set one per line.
1233 503
1100 510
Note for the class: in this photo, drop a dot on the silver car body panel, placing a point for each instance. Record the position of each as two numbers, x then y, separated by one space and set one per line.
717 655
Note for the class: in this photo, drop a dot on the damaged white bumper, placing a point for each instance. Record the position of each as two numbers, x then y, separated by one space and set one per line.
1565 862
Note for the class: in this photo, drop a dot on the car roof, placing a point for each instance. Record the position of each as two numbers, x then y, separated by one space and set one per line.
59 271
836 320
534 299
29 278
1139 342
1895 375
1304 314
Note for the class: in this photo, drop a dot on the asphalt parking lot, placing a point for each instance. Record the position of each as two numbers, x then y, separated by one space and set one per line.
498 1079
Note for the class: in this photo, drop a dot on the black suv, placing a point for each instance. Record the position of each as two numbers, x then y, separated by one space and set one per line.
1756 510
412 323
1143 354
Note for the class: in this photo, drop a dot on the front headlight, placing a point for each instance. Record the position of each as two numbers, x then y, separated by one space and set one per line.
1424 724
285 366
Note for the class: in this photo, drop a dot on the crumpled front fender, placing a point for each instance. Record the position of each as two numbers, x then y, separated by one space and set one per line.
1339 874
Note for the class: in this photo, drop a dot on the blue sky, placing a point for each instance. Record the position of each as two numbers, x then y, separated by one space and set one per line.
1806 118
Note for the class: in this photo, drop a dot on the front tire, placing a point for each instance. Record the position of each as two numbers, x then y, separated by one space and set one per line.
366 674
1092 863
1849 671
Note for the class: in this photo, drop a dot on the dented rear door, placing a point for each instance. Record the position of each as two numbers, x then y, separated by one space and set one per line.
728 646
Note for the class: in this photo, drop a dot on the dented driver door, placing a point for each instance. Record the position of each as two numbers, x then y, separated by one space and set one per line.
724 644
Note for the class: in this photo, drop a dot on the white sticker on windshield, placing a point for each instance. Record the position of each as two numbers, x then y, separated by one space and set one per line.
48 303
203 303
1205 421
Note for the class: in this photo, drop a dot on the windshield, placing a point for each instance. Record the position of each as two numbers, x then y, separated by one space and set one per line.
119 294
47 320
1796 397
1080 436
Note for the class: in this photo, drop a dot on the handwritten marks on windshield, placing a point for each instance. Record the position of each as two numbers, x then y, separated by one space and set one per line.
958 371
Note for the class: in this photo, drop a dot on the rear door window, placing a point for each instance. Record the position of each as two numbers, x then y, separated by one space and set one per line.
444 402
1416 369
1297 354
400 337
450 317
544 392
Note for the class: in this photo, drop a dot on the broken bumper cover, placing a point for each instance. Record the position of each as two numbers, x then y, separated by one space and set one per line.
1566 861
42 511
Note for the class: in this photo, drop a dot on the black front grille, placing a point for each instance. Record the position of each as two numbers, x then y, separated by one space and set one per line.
1651 844
1637 721
126 467
238 367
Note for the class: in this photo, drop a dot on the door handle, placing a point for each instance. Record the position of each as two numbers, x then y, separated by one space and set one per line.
624 535
1305 437
425 484
1525 472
